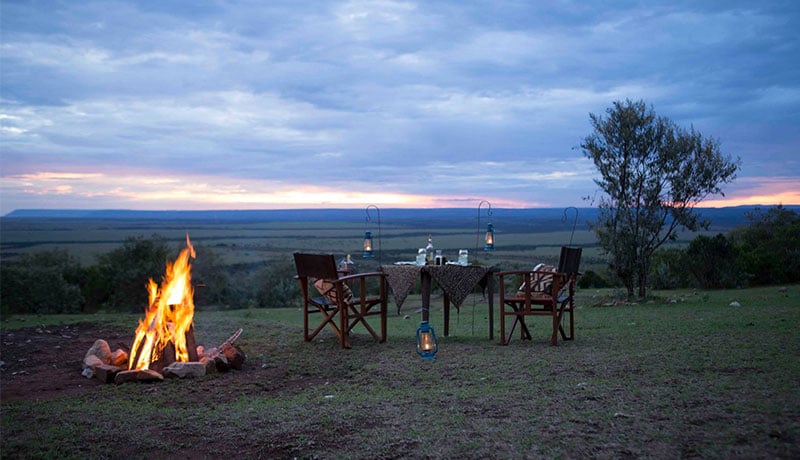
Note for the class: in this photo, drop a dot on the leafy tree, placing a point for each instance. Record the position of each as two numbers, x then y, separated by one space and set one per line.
769 247
712 262
668 268
211 281
652 175
43 282
123 272
592 279
278 288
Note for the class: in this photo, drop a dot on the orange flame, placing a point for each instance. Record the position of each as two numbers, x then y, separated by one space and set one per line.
169 314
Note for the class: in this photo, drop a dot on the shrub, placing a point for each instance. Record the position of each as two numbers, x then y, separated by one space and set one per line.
713 262
44 282
122 274
591 279
277 286
769 248
211 280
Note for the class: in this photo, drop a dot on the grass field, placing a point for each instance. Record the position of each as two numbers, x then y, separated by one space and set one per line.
686 376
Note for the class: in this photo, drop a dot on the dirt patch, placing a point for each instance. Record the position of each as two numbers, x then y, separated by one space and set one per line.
43 362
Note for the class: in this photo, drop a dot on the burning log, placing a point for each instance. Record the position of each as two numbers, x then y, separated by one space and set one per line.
166 334
168 353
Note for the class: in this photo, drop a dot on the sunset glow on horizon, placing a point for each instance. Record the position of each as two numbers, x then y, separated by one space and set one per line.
215 193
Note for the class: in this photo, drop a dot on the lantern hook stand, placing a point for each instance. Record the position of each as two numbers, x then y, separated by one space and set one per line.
478 228
477 245
368 220
574 221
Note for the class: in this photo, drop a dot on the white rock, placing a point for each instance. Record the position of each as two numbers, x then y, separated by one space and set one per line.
88 372
734 304
101 350
183 370
92 361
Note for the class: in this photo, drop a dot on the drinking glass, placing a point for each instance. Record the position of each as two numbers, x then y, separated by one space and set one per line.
463 257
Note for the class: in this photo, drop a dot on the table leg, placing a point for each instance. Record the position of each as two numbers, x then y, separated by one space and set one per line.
490 288
426 294
446 302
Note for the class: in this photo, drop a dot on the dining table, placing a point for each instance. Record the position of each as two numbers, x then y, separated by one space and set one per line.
456 282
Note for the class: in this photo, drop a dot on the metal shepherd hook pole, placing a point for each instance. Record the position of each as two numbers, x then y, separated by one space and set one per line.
478 231
380 249
574 221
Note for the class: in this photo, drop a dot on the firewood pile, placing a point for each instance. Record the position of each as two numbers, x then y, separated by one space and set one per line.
114 367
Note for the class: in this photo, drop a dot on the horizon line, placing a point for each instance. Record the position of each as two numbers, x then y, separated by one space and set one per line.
246 210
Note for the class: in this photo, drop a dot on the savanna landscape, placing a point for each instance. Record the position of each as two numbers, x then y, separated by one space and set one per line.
685 373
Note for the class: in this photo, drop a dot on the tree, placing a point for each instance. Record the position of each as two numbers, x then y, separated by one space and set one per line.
211 281
124 272
769 248
43 282
712 262
652 175
278 288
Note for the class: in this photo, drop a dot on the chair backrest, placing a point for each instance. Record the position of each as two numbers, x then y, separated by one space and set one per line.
320 266
570 260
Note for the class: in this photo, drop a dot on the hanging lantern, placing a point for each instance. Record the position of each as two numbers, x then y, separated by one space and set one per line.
368 252
489 238
426 341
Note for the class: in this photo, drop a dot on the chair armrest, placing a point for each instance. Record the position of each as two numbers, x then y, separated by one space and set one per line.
512 272
361 275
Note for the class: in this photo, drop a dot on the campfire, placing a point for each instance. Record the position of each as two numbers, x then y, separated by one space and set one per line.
164 343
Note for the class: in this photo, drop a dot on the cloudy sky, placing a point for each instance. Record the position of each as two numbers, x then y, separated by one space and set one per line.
251 104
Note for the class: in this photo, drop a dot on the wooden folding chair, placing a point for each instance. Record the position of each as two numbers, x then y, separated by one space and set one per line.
544 291
337 305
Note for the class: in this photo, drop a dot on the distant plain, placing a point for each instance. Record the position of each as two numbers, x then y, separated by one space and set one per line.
523 236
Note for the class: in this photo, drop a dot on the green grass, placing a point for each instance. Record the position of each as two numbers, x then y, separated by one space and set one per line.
685 376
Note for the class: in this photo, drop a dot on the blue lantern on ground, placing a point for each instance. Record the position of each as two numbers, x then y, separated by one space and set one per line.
369 253
427 345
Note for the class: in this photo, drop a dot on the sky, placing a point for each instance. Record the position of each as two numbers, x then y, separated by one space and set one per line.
250 104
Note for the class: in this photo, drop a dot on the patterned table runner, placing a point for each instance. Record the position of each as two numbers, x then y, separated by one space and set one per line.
458 281
455 280
401 279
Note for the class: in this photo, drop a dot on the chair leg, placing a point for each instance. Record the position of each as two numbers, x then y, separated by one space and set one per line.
329 319
571 320
384 314
343 320
511 331
565 310
524 332
519 317
503 340
306 337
